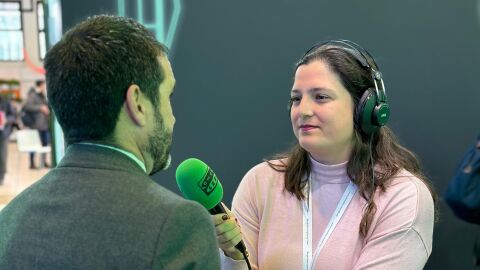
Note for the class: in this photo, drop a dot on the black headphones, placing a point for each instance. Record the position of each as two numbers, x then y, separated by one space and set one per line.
372 110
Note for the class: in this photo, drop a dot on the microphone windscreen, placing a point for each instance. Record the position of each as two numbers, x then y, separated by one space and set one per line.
199 183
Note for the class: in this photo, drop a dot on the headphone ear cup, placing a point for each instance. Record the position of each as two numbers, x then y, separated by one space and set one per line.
364 112
381 114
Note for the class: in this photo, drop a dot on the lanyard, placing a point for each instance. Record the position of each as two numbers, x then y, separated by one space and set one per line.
309 259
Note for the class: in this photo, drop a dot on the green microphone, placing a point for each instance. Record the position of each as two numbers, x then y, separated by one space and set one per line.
199 183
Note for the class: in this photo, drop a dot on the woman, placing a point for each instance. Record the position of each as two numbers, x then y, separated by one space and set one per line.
324 205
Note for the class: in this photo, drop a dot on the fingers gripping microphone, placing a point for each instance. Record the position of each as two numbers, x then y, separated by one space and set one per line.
199 183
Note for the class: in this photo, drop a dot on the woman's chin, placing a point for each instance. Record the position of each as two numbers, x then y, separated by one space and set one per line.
308 145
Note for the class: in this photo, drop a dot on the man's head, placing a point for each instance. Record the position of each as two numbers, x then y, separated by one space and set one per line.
40 85
90 69
109 80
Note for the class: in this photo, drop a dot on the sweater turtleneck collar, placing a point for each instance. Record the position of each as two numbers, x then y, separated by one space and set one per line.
333 174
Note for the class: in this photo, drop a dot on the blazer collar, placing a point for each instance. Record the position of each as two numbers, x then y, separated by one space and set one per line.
91 156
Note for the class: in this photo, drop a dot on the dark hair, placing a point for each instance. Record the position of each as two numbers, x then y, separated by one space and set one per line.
389 156
39 82
90 69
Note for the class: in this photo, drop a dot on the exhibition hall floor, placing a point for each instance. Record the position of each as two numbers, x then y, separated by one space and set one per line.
18 176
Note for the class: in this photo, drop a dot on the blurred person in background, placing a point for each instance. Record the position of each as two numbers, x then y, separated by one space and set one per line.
463 191
37 111
8 120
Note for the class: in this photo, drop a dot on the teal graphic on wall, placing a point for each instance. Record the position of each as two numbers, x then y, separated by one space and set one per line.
164 31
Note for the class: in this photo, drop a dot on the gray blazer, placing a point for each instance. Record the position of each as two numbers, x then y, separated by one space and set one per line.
98 210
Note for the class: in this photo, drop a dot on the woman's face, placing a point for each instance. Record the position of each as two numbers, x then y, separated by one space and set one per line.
322 113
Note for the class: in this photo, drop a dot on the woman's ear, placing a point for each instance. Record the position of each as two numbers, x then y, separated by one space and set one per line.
135 105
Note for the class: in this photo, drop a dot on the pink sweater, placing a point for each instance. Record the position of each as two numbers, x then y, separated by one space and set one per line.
271 221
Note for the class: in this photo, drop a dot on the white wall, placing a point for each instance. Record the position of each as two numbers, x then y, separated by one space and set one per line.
20 70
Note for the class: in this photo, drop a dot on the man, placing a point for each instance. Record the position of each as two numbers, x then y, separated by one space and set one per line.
37 110
109 84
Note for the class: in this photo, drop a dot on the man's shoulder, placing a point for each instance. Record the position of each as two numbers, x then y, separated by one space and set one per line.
163 196
125 190
155 197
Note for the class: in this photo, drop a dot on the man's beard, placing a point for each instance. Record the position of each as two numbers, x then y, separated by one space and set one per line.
159 144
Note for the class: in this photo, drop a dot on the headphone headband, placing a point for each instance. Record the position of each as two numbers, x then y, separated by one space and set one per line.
362 56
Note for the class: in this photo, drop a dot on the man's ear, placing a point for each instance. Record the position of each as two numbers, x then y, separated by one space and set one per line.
135 105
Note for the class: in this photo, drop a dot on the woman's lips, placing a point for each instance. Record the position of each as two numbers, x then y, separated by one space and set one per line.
307 127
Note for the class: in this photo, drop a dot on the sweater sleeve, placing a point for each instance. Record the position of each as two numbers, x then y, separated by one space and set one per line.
245 208
401 237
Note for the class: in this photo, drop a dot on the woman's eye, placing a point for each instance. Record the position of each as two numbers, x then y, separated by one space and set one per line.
294 99
321 97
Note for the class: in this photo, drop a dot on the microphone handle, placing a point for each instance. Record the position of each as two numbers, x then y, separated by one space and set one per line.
219 209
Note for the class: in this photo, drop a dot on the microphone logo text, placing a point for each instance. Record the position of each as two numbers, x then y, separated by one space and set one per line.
208 183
